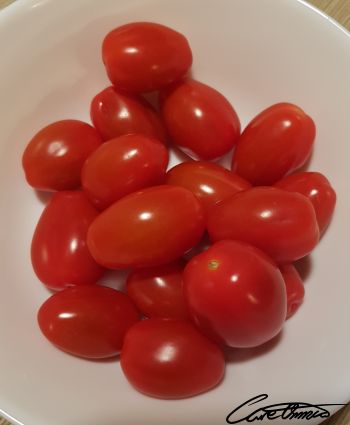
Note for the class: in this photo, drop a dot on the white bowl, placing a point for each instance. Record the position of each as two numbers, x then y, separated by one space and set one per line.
257 53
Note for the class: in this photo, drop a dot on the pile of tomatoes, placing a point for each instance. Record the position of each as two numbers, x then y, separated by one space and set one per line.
210 251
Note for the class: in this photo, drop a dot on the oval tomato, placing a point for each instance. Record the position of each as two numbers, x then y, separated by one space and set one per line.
294 288
147 228
200 120
235 294
276 142
54 157
319 191
121 166
158 292
115 113
203 245
143 56
60 256
170 359
210 182
281 223
87 321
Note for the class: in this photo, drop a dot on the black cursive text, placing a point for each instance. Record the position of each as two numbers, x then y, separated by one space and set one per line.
291 410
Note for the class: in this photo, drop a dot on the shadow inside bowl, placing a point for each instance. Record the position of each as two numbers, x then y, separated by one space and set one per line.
239 355
43 196
115 279
153 99
115 359
304 267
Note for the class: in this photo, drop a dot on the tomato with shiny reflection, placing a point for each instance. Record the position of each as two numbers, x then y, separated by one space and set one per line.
276 142
281 223
60 256
210 182
158 292
199 119
115 113
123 165
144 56
294 288
147 228
235 294
54 157
170 359
319 191
87 321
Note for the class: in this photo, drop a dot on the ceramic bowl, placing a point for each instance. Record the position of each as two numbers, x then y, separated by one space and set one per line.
255 52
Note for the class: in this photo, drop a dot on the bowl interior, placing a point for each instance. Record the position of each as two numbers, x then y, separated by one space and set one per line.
256 53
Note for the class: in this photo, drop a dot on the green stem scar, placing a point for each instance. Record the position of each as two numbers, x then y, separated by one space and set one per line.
213 264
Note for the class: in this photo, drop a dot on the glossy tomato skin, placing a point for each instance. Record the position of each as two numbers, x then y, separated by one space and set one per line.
210 182
281 223
54 157
115 113
235 294
170 359
121 166
60 256
203 245
87 321
294 288
276 142
143 56
147 228
199 119
319 191
158 291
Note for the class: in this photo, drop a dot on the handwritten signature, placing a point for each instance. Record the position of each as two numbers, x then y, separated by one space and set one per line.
288 411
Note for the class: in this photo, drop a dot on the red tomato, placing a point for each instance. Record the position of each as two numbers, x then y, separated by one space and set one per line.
294 287
147 228
276 142
319 191
115 113
143 57
87 321
203 245
170 359
281 223
60 256
200 120
54 157
209 182
157 291
235 294
122 166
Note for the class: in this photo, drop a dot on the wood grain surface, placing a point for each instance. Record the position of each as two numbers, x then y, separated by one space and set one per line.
4 3
340 11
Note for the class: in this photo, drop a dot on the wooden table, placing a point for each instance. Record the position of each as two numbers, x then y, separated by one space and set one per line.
339 10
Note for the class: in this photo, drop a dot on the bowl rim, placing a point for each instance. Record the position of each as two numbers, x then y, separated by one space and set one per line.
18 7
